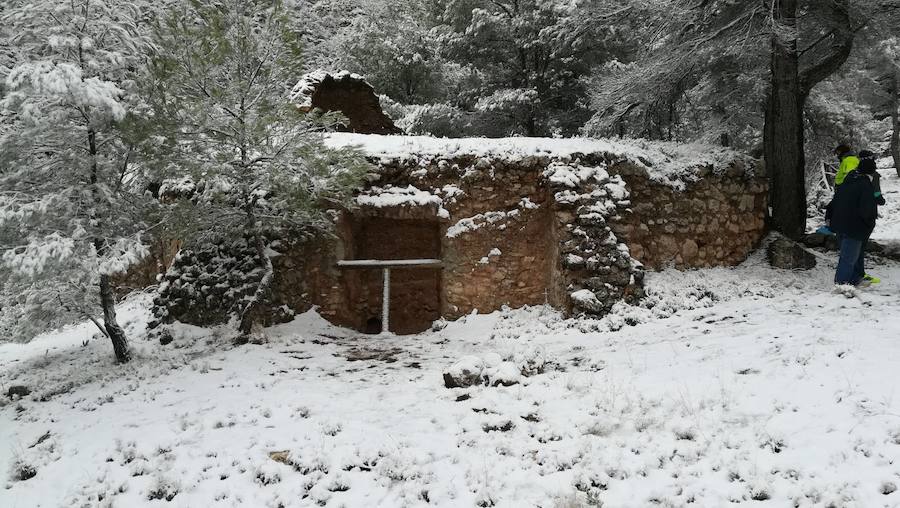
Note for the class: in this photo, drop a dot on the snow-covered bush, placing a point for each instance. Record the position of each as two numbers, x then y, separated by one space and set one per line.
209 283
21 471
440 120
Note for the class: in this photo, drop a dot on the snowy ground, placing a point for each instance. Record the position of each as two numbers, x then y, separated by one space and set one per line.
744 386
888 227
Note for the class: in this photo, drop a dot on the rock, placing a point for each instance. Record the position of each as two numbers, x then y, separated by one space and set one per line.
586 300
17 391
439 324
814 239
280 456
506 374
464 373
348 93
787 254
573 262
689 250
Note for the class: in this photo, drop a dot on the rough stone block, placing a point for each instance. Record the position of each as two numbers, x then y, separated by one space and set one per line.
787 254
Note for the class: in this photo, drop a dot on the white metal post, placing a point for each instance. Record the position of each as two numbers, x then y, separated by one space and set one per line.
386 301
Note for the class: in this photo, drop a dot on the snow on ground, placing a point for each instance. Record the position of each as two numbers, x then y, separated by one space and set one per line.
729 387
888 226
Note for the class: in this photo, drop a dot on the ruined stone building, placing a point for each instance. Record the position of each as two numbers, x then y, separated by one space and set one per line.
572 223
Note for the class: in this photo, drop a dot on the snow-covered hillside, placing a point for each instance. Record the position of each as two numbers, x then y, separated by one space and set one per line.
745 386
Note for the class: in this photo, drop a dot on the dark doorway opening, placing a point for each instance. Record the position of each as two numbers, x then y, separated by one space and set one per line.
415 300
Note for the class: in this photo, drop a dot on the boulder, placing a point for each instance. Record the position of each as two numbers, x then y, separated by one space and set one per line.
586 300
17 391
505 373
814 239
464 373
790 255
689 250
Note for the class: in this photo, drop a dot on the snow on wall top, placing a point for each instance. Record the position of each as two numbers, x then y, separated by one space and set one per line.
670 163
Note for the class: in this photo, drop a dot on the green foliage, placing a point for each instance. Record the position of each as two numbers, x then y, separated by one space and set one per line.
220 82
398 54
516 67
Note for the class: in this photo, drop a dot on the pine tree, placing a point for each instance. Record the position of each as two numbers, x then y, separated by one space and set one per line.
790 46
393 47
223 72
885 88
527 59
72 207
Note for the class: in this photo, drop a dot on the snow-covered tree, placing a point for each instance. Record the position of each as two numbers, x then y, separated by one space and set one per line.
698 72
885 89
515 66
323 26
784 47
223 72
392 46
72 209
526 59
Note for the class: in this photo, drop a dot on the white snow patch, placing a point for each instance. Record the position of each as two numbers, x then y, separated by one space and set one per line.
478 221
670 163
687 407
380 197
527 204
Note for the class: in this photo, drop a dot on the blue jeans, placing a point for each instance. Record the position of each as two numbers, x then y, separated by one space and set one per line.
852 262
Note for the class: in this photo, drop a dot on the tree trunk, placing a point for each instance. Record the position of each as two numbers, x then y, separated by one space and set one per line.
895 122
107 296
783 129
247 315
113 330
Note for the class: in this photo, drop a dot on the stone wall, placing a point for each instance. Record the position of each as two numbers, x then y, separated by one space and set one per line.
714 221
505 262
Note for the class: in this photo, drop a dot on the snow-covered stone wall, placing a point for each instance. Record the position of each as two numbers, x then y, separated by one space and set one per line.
571 223
567 222
714 221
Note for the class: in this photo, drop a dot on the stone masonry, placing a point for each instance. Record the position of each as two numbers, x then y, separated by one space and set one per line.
571 227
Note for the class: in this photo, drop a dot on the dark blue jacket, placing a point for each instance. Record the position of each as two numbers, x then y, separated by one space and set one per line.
854 209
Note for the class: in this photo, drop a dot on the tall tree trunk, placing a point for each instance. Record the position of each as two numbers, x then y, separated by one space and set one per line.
783 135
113 330
783 130
895 122
107 296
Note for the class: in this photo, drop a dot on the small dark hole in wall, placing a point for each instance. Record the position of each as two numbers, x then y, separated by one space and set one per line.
373 325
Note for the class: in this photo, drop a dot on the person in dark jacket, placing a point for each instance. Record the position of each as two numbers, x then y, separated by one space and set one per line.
853 213
867 165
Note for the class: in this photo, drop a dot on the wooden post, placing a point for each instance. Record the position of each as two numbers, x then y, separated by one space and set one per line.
386 302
